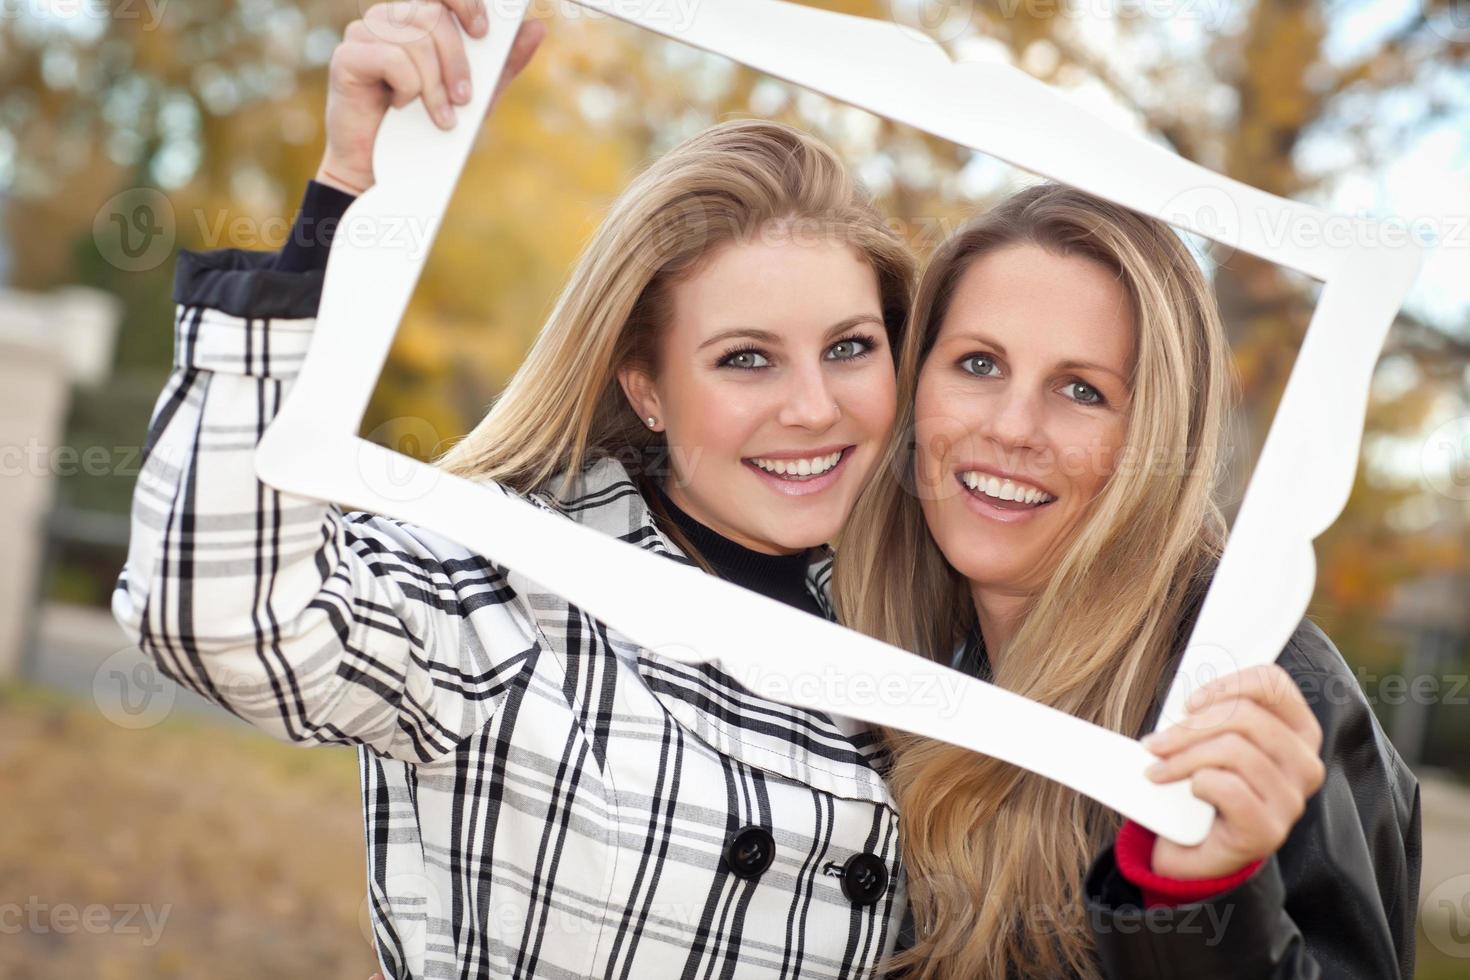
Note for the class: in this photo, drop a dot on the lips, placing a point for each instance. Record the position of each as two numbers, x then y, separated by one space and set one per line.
799 467
976 488
983 476
822 470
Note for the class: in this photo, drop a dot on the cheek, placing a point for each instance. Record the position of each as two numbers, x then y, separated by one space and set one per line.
1112 448
707 415
870 399
1106 445
1091 454
940 432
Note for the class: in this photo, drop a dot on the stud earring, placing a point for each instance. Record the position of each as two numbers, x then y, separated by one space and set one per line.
652 421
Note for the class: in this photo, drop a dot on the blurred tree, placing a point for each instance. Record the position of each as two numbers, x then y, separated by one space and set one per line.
1246 89
218 105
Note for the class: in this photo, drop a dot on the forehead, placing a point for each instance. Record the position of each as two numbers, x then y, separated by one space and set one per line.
777 284
1045 304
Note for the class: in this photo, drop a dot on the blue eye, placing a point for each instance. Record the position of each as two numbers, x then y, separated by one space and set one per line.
1085 394
744 360
984 365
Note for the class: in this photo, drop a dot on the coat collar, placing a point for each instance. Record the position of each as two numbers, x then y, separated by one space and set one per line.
833 753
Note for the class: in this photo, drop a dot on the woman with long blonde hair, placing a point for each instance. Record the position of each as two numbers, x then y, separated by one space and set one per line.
542 797
1051 525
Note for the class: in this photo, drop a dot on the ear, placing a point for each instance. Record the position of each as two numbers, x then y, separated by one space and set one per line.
642 394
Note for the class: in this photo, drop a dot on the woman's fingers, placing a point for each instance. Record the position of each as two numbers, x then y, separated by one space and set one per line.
1237 754
431 39
412 28
1286 747
1248 827
364 59
452 62
471 14
1272 688
1250 748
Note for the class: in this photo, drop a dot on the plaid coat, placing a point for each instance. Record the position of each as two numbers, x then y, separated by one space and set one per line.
541 796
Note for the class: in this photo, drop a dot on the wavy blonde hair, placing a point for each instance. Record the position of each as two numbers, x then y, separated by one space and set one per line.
564 406
996 854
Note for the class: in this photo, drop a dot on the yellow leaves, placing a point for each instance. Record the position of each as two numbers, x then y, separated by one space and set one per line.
530 195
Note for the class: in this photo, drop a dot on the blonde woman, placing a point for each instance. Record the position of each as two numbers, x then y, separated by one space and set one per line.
1052 528
542 797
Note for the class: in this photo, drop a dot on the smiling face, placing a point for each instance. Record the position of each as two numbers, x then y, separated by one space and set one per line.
1020 412
775 390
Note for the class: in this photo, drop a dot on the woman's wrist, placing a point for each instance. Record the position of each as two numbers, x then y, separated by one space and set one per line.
1133 852
342 178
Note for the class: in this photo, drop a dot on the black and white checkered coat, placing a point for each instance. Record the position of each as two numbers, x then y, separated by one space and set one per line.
542 798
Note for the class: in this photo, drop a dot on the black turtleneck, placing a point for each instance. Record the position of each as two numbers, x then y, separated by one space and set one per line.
781 577
973 659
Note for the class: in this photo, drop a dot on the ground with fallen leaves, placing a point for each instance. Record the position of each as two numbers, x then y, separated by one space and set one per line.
248 852
184 850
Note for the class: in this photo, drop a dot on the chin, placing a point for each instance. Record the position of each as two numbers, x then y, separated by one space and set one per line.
799 542
983 563
808 535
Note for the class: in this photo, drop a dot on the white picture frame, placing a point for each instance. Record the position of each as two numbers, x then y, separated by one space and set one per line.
1300 484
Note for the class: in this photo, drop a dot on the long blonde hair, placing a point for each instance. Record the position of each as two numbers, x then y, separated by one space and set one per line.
564 406
996 854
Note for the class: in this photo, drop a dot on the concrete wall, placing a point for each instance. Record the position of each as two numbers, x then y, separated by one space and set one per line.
49 342
34 395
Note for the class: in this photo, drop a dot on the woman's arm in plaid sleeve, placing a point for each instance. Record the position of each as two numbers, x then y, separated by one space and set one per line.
314 625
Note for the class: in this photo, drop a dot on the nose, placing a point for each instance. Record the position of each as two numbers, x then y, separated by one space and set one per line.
809 402
1015 419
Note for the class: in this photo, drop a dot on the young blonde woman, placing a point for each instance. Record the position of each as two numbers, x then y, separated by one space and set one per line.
1052 527
542 797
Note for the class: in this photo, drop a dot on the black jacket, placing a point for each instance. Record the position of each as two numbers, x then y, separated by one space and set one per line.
1338 900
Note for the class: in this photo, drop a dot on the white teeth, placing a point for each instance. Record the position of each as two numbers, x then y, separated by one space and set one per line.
798 467
1004 489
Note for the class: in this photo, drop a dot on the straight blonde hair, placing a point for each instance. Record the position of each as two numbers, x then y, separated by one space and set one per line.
995 854
564 407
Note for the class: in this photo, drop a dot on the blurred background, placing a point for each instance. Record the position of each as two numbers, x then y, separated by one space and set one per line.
151 835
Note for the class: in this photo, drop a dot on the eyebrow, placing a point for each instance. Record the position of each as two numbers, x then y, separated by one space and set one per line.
1064 366
771 337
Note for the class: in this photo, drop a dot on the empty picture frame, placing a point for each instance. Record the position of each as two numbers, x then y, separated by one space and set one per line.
1264 581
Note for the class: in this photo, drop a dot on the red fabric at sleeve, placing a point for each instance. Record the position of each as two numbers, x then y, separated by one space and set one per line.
1134 852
